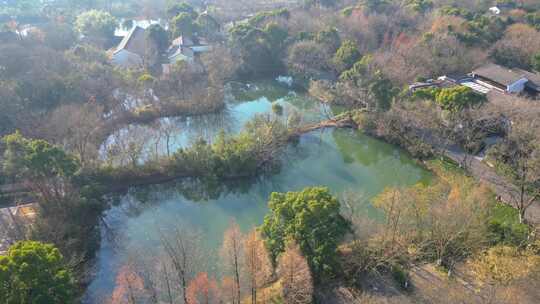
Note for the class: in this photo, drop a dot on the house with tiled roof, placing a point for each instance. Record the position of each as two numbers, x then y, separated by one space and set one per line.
507 80
132 49
185 49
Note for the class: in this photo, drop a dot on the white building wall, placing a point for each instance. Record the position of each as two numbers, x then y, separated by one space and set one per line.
126 59
201 48
517 86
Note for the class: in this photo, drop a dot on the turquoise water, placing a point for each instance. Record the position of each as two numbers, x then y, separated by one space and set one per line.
243 101
343 160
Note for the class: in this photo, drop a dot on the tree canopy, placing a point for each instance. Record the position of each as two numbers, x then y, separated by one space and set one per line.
457 98
536 62
33 272
207 25
36 158
261 49
183 24
346 55
452 99
176 8
159 36
96 25
329 38
420 6
311 218
15 7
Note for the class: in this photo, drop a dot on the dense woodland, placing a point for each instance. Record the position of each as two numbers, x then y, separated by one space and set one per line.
61 97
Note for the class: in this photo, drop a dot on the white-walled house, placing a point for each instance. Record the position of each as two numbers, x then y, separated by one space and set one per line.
126 59
185 49
506 80
131 50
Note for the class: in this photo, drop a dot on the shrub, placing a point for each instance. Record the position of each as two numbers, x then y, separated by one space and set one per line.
346 56
277 109
427 93
457 98
401 276
505 228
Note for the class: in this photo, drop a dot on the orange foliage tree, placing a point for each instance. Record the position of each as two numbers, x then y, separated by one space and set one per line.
257 266
295 276
129 287
231 253
228 290
202 290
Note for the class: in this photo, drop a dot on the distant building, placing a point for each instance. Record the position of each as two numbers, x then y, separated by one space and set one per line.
441 82
185 49
495 10
132 50
507 80
180 50
15 223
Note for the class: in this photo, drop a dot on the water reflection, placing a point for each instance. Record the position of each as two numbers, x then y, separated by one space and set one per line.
342 160
167 135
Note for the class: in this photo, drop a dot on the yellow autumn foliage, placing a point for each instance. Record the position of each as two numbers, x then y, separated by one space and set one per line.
505 264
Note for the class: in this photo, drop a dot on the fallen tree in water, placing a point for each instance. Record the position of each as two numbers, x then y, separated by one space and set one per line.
344 120
255 150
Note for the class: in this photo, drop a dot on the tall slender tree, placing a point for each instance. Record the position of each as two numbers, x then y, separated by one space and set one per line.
295 276
203 290
183 252
232 255
257 266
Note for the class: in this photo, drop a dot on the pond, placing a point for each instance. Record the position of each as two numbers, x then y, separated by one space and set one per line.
243 101
342 160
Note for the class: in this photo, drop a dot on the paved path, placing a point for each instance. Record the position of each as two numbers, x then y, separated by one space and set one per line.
502 188
498 184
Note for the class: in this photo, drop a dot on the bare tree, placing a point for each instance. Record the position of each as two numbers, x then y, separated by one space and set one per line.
76 127
167 129
446 219
128 146
184 80
228 290
219 66
524 160
129 287
183 251
295 276
353 203
519 43
231 253
167 282
203 290
257 265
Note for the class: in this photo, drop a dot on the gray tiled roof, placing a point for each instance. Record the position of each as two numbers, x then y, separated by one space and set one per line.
497 73
503 75
124 44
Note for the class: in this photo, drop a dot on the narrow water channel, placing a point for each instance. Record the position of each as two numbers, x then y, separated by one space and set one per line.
342 160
